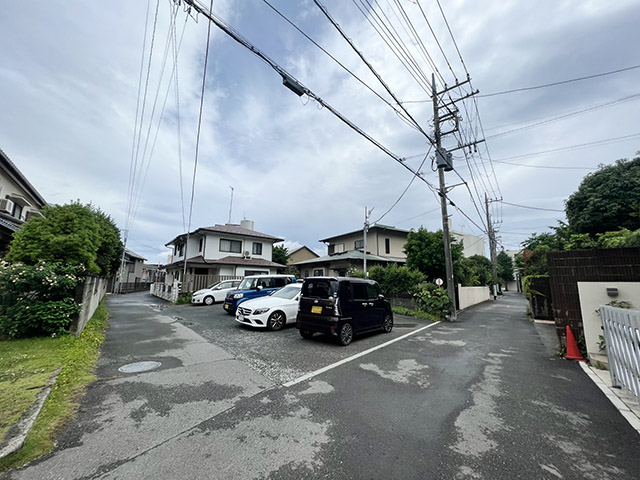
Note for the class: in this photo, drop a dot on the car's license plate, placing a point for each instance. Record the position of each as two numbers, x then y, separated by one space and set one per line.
226 307
316 309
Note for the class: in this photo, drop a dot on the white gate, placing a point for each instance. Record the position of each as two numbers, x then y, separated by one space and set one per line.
622 339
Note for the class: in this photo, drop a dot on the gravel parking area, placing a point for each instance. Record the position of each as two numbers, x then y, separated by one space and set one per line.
281 356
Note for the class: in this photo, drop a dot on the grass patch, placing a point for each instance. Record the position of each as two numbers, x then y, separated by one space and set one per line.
25 366
415 313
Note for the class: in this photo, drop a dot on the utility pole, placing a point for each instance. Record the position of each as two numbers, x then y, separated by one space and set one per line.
230 204
444 162
365 230
448 261
492 248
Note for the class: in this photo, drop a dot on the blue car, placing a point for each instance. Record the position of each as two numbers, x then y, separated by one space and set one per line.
255 286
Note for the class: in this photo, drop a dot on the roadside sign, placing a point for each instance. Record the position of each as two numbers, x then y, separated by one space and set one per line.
439 282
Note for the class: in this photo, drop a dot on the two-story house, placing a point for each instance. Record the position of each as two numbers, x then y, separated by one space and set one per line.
19 201
220 252
384 245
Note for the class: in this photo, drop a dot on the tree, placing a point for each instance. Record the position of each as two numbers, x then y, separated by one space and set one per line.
477 271
73 234
607 200
505 267
280 255
425 253
395 280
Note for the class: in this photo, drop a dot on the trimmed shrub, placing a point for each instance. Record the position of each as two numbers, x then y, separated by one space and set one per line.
37 300
433 300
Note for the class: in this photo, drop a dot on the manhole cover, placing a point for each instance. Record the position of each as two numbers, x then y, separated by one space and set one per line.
139 367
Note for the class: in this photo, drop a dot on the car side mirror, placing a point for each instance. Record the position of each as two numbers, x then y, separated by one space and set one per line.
380 296
259 287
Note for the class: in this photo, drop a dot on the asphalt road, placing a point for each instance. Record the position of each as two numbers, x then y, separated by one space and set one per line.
481 398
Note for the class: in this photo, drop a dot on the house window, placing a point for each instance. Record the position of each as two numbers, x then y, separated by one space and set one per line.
17 210
181 249
306 273
132 267
387 246
336 248
359 244
319 272
201 246
231 246
257 248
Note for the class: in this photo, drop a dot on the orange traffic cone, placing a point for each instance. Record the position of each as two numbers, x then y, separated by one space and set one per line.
573 353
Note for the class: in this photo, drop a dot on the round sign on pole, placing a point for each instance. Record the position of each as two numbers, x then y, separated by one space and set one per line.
439 282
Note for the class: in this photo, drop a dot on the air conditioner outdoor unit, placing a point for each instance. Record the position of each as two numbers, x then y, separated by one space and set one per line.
6 206
247 254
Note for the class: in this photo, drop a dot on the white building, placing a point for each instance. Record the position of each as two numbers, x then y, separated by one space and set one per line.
220 252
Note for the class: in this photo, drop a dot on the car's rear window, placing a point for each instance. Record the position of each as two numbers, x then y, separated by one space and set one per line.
320 288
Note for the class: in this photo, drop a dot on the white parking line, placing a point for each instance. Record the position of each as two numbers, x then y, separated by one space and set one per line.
357 355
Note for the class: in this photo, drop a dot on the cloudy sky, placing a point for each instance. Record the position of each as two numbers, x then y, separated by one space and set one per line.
75 119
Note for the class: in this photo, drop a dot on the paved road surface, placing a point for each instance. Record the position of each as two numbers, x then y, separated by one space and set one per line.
481 398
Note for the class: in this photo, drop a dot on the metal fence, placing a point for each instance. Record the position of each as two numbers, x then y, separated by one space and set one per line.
622 340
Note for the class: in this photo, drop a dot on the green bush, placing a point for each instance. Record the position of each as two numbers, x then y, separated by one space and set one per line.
395 280
37 300
183 299
433 300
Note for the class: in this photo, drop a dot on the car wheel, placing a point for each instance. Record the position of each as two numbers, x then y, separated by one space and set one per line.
387 325
208 300
306 333
345 335
276 321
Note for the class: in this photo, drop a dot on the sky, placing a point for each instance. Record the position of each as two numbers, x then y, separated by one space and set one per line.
75 119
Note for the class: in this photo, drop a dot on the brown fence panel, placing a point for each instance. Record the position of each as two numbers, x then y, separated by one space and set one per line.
567 268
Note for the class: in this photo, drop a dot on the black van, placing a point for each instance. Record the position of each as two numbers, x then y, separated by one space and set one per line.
342 307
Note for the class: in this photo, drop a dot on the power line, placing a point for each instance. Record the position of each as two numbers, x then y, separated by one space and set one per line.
567 115
561 82
407 187
605 141
338 62
531 208
373 70
545 167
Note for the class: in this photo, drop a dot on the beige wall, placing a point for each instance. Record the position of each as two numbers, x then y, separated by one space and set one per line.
301 255
375 242
469 296
592 296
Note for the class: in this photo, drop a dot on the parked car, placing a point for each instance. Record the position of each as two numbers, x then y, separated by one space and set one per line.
342 307
271 312
215 293
254 286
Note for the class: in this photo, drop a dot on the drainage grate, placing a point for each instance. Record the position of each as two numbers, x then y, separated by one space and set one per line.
188 324
139 367
405 325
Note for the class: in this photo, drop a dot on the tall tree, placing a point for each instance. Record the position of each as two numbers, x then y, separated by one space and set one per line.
607 200
505 267
425 253
280 255
74 234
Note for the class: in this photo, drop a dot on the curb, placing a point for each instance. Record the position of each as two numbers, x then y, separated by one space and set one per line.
18 432
613 397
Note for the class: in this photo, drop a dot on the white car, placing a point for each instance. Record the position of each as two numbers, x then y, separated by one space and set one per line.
215 293
273 311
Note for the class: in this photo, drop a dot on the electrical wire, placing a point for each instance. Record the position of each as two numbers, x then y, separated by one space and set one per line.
407 187
605 141
195 162
413 125
562 82
546 167
371 68
531 208
567 115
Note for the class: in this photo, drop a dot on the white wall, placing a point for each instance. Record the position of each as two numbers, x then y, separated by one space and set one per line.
472 244
212 247
469 296
592 296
